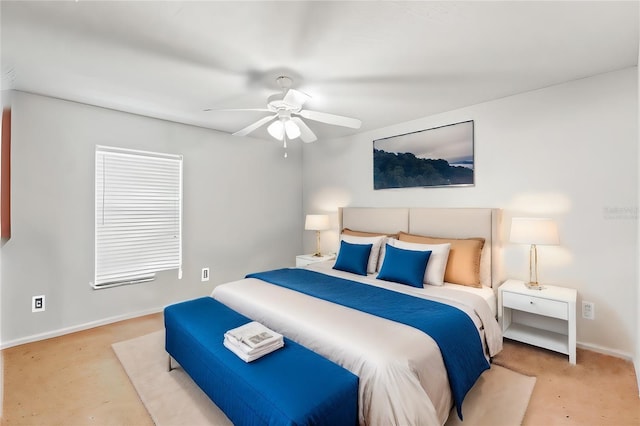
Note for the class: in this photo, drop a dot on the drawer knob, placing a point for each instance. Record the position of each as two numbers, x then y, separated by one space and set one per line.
531 302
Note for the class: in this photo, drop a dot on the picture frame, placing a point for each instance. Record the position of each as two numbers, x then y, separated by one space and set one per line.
437 157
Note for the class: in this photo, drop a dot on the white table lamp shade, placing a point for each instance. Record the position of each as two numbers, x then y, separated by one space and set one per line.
529 230
316 222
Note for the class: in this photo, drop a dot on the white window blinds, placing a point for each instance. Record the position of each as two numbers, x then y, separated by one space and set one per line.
138 229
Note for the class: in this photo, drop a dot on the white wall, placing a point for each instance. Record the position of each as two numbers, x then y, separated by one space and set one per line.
242 213
569 152
637 357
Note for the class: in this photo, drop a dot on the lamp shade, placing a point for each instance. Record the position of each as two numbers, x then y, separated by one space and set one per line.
534 230
292 130
276 129
316 222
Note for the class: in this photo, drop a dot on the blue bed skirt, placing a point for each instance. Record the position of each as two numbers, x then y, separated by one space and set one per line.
291 386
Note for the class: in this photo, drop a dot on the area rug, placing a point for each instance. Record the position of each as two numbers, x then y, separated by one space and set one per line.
499 398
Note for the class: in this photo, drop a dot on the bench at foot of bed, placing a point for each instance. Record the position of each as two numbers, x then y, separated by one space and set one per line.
291 386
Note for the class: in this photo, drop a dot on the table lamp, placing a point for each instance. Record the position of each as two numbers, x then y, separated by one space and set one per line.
317 222
534 231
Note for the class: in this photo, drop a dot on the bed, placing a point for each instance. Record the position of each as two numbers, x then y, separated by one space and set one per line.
403 376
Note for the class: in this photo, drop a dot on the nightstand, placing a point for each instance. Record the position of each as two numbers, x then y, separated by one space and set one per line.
308 259
545 318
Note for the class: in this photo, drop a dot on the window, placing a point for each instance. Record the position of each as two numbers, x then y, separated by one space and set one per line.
138 229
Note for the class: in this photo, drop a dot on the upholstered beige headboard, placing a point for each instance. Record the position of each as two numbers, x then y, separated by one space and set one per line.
436 222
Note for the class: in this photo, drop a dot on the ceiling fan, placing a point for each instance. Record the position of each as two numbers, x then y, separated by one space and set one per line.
288 115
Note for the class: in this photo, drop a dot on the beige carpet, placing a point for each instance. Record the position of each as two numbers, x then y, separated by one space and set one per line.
500 397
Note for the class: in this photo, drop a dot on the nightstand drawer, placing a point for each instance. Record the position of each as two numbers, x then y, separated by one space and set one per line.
536 305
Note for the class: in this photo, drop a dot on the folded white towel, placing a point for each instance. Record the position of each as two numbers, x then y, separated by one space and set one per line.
252 336
238 349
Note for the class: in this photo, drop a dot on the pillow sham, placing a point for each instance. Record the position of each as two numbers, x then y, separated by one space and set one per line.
376 242
463 265
404 266
353 258
434 274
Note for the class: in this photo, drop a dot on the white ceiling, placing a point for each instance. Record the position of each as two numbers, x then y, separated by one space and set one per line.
382 62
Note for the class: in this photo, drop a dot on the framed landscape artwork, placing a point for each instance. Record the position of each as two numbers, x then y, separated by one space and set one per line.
441 156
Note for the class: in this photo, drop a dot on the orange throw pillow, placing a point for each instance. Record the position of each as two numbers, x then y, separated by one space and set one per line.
463 266
347 231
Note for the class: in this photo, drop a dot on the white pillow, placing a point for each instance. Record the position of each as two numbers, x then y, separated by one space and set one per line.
383 250
377 242
434 274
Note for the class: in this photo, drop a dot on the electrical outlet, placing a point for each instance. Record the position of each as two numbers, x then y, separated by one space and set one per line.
205 274
588 310
37 304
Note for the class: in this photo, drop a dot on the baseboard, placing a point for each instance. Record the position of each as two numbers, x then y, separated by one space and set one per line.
606 351
80 327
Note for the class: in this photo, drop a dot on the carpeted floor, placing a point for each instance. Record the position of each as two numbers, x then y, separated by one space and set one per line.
77 379
600 390
500 397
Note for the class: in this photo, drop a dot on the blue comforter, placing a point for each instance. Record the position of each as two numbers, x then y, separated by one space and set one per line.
453 331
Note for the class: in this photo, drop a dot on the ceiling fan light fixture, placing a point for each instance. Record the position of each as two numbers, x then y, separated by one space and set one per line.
276 129
293 131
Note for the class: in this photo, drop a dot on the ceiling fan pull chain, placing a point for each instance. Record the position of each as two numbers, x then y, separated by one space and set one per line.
284 140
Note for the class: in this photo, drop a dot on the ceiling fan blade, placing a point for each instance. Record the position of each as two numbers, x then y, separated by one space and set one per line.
238 109
295 98
337 120
251 127
305 132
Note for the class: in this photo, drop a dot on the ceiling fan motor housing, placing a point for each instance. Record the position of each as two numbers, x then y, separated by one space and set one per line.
276 103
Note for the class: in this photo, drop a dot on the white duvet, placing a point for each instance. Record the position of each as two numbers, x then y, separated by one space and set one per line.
402 378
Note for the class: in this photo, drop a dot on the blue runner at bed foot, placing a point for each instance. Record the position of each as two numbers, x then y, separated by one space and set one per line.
291 386
452 329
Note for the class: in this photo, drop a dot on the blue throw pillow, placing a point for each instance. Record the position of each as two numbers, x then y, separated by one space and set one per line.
404 266
353 258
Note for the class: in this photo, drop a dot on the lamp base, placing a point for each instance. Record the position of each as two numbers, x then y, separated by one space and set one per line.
317 253
533 269
534 286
